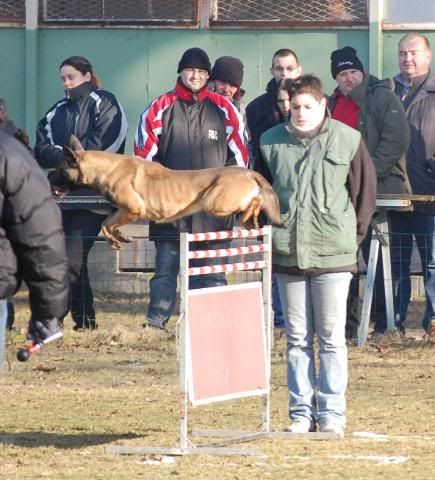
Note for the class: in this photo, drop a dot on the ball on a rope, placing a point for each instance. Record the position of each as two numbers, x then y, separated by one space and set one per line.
23 355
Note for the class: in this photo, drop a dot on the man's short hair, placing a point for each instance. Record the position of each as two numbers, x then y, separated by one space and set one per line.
285 52
413 35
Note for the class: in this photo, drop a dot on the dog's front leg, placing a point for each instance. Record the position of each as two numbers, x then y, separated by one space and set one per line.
110 227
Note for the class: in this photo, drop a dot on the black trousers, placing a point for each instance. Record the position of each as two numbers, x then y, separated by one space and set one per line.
81 229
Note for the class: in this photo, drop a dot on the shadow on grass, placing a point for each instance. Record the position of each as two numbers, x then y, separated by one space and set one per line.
59 440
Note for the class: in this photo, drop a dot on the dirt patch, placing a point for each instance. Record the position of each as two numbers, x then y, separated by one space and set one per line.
119 385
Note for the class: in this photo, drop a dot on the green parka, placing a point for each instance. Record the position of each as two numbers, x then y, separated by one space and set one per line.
325 201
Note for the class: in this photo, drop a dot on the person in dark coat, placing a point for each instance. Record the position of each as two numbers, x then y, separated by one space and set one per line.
263 113
32 243
8 126
370 106
415 87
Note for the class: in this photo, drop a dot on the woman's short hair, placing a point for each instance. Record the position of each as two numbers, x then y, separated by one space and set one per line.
309 84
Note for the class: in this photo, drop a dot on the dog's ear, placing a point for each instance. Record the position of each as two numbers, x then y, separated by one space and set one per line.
75 144
70 156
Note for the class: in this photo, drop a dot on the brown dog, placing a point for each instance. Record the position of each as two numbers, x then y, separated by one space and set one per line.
147 190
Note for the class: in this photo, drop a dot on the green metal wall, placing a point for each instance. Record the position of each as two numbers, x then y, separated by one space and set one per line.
12 71
139 64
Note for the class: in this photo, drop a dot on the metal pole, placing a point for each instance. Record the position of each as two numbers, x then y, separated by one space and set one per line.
368 291
388 281
182 338
31 68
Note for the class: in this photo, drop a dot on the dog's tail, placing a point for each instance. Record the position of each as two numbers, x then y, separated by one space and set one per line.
270 204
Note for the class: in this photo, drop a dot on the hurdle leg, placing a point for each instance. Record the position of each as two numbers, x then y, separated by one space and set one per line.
388 281
267 305
368 291
182 339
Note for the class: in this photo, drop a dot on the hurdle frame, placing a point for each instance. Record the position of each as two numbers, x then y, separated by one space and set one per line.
185 272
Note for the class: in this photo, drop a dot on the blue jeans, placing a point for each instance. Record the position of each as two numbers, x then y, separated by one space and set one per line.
407 226
316 305
163 285
278 316
3 319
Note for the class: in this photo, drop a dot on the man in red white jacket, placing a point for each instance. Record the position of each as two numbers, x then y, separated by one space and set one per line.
188 128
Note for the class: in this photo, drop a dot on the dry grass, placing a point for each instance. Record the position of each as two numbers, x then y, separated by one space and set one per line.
119 386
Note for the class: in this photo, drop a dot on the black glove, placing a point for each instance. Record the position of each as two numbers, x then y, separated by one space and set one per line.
40 330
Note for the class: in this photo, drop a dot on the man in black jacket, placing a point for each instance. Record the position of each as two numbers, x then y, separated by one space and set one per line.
262 113
32 244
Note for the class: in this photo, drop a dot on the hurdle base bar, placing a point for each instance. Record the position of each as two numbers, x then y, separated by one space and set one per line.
199 450
218 447
239 436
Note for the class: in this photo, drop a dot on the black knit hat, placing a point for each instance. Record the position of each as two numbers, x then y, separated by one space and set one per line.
345 59
194 58
228 69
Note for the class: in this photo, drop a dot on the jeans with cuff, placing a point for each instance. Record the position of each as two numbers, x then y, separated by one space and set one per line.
163 285
316 305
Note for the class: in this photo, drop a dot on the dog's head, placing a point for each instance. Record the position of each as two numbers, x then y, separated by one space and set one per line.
70 170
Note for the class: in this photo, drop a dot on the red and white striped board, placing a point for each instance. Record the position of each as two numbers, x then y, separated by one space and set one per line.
226 355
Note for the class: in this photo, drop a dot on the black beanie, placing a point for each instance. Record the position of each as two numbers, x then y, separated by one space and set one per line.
228 69
194 58
345 59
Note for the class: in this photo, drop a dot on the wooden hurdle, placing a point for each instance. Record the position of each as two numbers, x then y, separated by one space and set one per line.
186 325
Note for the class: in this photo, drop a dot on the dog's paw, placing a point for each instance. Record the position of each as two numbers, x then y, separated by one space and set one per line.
114 243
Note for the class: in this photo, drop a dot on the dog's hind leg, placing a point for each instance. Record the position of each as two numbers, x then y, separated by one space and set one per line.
250 215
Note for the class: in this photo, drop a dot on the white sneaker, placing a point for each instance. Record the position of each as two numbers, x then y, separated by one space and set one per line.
332 427
303 425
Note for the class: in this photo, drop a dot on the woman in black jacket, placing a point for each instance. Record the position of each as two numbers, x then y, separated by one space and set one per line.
97 119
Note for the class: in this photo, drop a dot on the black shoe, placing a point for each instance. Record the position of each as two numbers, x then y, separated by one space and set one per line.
86 325
154 327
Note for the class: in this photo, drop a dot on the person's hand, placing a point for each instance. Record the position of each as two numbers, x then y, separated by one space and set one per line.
40 330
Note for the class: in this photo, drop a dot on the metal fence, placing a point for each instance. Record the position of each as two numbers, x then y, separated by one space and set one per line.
120 11
12 10
290 12
187 12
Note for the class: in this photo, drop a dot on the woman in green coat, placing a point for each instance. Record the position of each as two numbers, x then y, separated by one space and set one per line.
326 185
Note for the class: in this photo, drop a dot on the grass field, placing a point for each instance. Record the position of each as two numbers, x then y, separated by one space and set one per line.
119 386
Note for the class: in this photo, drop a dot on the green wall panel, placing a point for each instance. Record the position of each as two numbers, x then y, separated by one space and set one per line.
12 72
139 64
